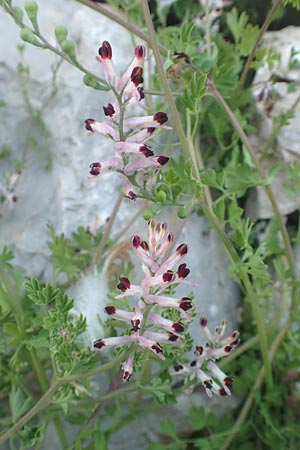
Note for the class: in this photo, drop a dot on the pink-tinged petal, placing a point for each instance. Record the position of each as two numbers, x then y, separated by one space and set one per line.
155 121
112 342
127 368
130 192
161 337
106 166
105 59
133 291
143 135
100 128
137 61
133 148
220 376
136 320
143 255
181 251
155 347
161 281
149 164
172 327
180 305
120 314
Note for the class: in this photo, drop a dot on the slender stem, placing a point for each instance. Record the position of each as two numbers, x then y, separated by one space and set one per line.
250 291
41 404
262 31
121 20
160 68
98 253
247 405
256 162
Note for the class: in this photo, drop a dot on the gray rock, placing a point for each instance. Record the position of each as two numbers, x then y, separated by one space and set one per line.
270 102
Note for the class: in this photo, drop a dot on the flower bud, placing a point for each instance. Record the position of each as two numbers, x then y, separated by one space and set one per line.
148 213
182 213
31 9
61 33
90 81
161 196
68 47
28 36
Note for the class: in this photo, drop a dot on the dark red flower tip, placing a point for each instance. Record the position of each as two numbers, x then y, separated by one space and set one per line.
145 245
178 327
137 76
105 51
88 123
141 92
199 349
146 150
193 363
160 117
222 392
208 384
168 276
234 335
227 349
228 381
178 367
109 110
136 242
162 160
140 51
110 310
124 284
99 343
235 342
170 237
157 347
135 325
183 271
203 322
131 195
182 249
95 168
185 303
172 337
151 130
126 375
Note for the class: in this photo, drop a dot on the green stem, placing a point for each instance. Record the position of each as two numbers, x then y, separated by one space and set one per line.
118 18
161 72
289 253
247 405
262 31
250 291
41 404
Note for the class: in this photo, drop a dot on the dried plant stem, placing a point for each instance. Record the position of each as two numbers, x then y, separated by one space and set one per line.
99 250
263 29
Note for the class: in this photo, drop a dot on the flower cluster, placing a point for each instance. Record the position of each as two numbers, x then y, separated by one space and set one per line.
204 369
149 328
134 160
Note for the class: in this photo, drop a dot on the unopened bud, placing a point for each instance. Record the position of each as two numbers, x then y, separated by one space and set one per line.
182 213
28 36
90 81
68 47
148 213
161 196
61 33
31 9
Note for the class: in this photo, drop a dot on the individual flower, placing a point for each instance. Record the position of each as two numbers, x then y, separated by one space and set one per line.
204 369
148 324
133 160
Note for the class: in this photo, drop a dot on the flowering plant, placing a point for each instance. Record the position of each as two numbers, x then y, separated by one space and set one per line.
61 357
